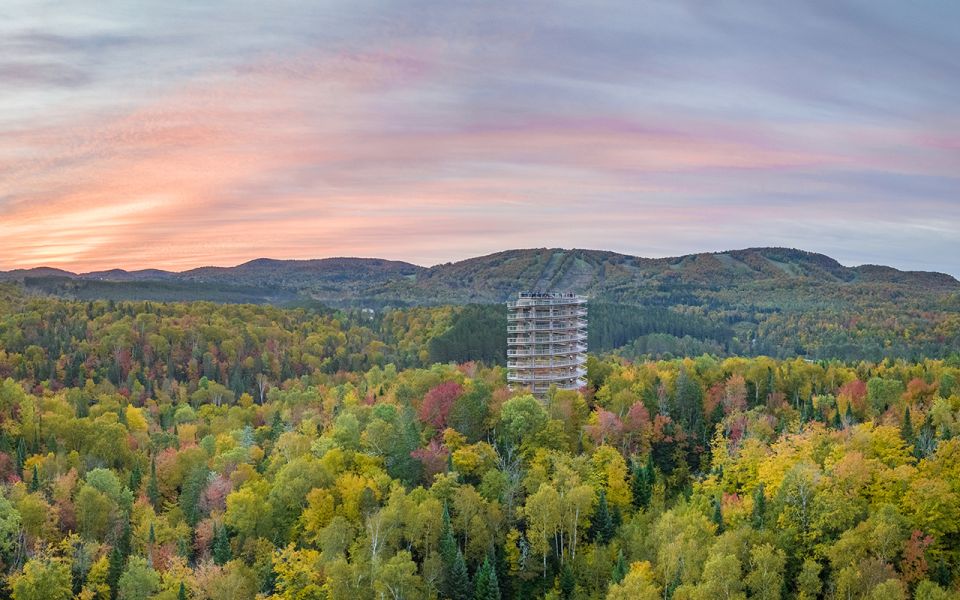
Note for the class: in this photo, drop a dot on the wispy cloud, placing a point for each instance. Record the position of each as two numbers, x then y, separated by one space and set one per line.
211 135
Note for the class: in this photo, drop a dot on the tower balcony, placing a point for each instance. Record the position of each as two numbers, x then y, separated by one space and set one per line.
551 350
533 363
529 339
554 326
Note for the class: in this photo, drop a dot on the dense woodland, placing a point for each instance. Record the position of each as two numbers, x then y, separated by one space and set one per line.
196 450
776 302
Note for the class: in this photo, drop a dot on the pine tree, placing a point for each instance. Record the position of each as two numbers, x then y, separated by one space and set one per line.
448 553
152 537
21 455
620 568
906 430
276 427
136 476
601 526
35 480
641 487
190 493
848 418
487 587
114 571
221 545
718 516
124 542
458 579
568 582
836 420
182 594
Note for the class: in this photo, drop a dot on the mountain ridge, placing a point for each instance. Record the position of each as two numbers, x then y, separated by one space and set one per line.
754 263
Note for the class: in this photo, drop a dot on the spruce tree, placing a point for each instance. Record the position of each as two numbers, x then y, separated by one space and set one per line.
568 582
836 420
182 594
486 587
848 417
35 480
718 516
619 568
601 525
21 455
448 554
641 486
458 579
114 571
136 476
190 493
906 430
221 545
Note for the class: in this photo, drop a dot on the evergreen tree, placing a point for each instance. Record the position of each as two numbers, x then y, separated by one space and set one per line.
836 420
568 582
35 480
115 570
136 476
942 575
182 594
277 427
448 554
718 516
221 545
601 525
152 537
906 430
458 579
21 455
486 586
620 568
190 493
183 548
641 483
848 417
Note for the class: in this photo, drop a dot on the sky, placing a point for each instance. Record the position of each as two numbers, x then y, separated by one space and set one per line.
178 134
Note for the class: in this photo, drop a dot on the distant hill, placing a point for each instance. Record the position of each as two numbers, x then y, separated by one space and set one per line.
777 301
767 272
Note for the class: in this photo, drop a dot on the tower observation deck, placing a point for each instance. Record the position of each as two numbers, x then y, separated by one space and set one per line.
547 341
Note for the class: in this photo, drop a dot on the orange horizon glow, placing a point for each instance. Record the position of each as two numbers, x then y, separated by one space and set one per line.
396 147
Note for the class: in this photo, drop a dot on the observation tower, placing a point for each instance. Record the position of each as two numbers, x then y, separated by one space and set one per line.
547 341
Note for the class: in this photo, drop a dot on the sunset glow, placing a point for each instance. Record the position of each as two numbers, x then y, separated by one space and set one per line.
141 137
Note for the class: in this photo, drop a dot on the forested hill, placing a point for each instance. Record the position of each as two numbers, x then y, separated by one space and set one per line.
774 301
764 272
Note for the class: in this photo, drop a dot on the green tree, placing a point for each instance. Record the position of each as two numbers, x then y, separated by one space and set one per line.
42 578
139 581
486 586
619 568
193 486
765 578
602 528
458 579
221 545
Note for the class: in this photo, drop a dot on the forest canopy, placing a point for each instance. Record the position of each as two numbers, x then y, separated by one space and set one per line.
196 450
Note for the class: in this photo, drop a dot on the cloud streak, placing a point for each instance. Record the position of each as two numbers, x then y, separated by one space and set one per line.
172 139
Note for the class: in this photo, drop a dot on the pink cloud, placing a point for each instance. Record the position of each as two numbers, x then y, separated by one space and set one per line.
313 156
